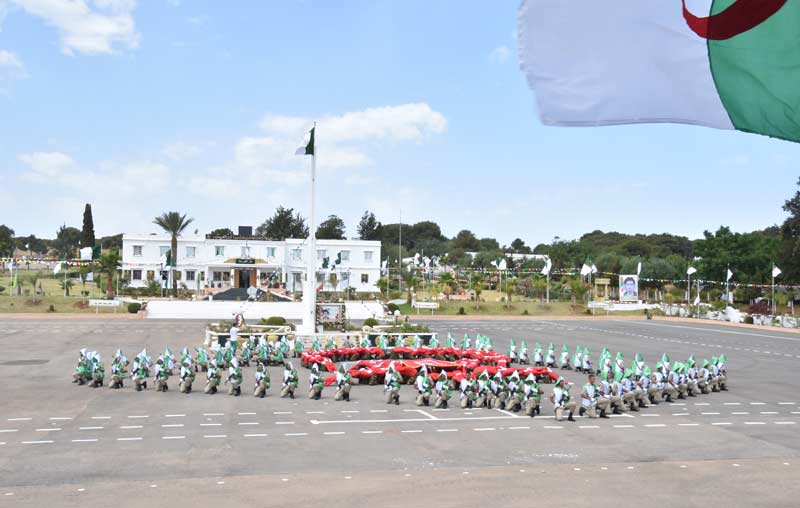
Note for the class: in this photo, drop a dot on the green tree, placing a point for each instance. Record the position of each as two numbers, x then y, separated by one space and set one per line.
465 239
283 224
66 285
67 241
518 245
173 223
790 234
87 233
331 228
489 244
369 228
108 264
221 233
476 286
6 240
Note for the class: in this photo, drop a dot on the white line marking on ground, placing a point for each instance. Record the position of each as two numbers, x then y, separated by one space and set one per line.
351 411
284 423
171 425
130 427
18 419
680 414
378 410
721 423
213 414
8 430
786 403
255 435
758 403
93 440
49 429
446 430
754 423
721 331
215 436
173 437
702 404
655 425
91 428
101 417
688 424
246 414
707 414
768 412
139 416
249 423
623 426
372 432
210 424
588 427
174 416
519 428
296 434
37 442
732 403
339 433
741 413
281 412
483 429
785 423
60 418
129 439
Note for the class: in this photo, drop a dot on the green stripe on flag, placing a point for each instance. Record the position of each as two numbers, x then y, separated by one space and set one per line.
757 73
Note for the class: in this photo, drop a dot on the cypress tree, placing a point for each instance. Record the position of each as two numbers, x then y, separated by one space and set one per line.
87 235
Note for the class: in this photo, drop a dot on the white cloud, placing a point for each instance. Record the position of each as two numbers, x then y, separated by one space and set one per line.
46 166
11 69
181 151
500 55
88 26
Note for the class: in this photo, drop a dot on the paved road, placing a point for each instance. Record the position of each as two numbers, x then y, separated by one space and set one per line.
82 444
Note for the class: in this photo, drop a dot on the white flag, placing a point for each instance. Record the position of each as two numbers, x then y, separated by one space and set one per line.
594 269
775 271
89 277
57 268
10 264
502 265
586 270
547 267
691 271
697 300
86 254
730 274
639 268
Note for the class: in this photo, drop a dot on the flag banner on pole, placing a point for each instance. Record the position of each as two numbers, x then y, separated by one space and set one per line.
308 148
639 268
776 271
586 270
691 271
547 267
57 268
716 63
89 277
730 274
697 300
86 254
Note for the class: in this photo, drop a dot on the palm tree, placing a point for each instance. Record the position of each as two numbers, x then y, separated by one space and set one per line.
108 264
173 223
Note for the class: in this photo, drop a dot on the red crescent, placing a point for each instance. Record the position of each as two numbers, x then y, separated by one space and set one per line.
738 18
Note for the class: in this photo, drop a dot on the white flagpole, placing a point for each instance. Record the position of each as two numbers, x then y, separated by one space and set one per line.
774 308
310 296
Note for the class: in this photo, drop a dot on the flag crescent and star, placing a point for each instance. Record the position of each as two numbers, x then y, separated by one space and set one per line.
727 64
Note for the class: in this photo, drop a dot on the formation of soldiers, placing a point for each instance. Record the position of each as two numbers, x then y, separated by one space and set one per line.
611 387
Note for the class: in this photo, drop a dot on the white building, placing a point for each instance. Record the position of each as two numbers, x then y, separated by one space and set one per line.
242 261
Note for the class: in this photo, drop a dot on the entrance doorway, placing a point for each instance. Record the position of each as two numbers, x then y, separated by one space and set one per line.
245 278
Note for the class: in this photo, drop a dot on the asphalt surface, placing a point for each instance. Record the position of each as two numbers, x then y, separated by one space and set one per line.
69 445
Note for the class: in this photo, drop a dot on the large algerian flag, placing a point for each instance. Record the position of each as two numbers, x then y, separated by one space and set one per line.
308 149
719 63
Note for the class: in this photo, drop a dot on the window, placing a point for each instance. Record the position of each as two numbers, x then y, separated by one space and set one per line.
365 278
178 274
137 251
219 251
189 275
190 252
137 274
368 256
163 250
321 253
297 254
320 278
270 252
245 251
151 275
218 276
345 255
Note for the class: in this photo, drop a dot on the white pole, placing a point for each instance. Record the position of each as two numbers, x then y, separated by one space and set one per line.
400 251
310 295
548 287
774 308
689 289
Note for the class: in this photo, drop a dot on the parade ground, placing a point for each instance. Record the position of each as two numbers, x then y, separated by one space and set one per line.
67 445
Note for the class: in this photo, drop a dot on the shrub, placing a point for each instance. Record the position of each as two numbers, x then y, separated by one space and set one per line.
392 307
134 307
370 322
461 311
51 308
748 320
761 307
525 312
2 288
274 321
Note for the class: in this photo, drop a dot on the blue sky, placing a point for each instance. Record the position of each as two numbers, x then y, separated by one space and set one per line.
197 106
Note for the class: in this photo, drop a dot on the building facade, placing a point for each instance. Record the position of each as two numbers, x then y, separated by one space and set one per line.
244 261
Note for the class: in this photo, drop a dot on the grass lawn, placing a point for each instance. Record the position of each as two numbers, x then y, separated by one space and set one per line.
501 309
51 294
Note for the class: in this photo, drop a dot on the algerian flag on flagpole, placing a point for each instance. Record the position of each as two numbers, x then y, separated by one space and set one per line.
691 271
586 270
730 274
717 63
86 254
308 148
775 271
697 300
547 267
57 268
639 268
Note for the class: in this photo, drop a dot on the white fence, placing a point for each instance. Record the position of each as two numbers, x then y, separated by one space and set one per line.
252 311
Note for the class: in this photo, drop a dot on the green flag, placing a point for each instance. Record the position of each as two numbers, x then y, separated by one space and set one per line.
308 149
